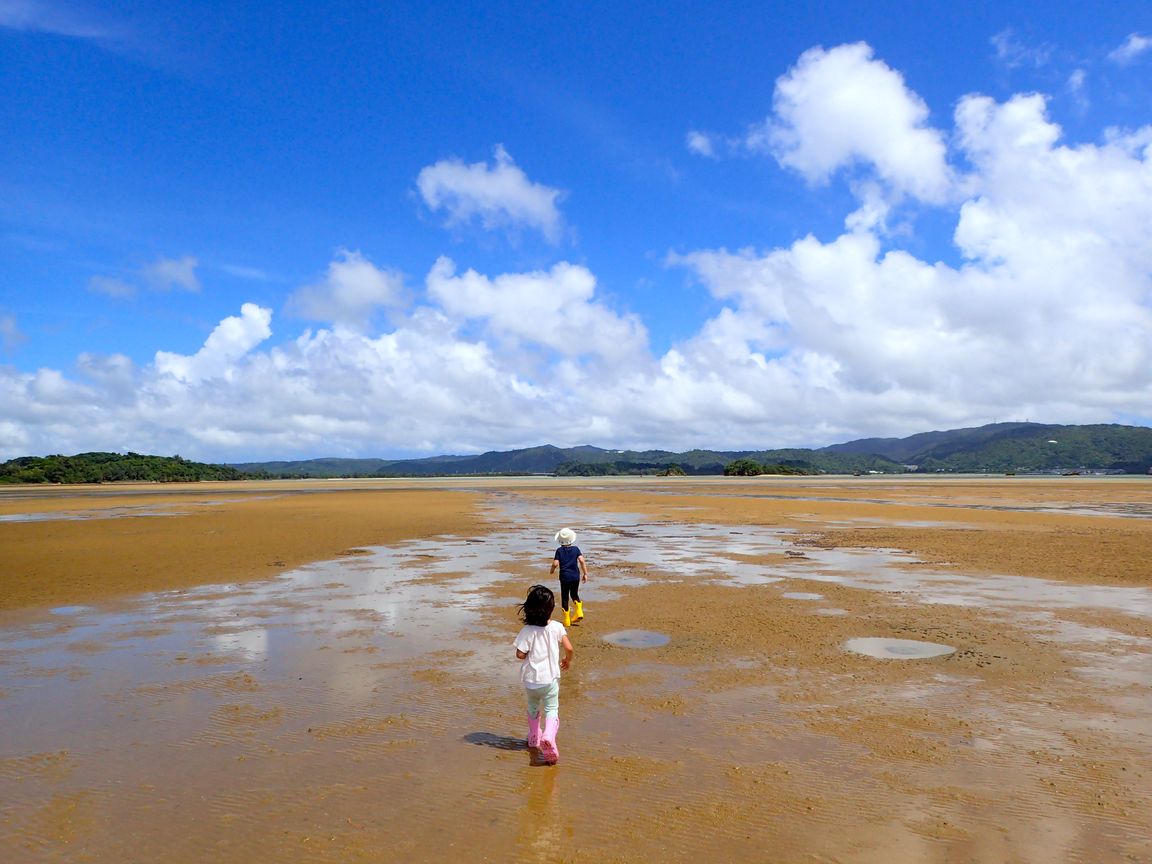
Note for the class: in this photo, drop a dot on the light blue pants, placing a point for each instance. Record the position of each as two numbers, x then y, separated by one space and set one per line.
544 701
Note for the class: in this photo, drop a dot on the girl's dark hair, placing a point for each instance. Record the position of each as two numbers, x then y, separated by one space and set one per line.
537 607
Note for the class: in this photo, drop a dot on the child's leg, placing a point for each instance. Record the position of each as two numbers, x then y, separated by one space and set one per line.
565 588
551 711
575 592
535 698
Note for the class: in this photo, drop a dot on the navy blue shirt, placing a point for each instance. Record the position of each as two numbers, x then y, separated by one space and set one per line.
569 568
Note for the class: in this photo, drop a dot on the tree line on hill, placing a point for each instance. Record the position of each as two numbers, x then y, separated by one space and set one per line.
114 468
752 468
1006 448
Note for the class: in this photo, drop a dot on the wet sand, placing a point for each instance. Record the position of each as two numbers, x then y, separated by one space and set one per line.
203 693
67 545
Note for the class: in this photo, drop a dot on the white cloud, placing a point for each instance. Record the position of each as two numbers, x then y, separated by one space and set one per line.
840 107
1047 315
554 309
164 274
1132 47
352 289
700 143
228 343
1050 316
500 196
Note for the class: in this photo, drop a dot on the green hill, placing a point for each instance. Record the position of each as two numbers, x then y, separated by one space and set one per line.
112 468
1017 447
998 447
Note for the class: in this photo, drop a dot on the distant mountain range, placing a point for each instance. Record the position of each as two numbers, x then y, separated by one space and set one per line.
998 447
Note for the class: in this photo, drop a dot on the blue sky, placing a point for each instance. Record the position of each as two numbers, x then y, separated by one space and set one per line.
256 230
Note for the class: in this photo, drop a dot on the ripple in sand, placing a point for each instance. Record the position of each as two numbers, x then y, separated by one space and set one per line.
896 649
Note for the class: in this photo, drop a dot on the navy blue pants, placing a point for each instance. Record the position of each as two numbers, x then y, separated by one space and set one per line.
569 589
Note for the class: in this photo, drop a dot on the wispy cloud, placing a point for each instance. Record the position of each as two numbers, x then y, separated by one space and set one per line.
10 336
164 274
253 274
111 286
1013 53
1077 90
1132 47
44 16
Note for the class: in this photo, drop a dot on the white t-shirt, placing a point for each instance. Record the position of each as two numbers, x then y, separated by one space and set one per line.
542 645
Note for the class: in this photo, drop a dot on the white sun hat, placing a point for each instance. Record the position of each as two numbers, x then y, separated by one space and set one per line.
565 536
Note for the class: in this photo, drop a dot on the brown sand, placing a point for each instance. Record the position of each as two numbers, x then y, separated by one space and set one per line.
751 736
235 531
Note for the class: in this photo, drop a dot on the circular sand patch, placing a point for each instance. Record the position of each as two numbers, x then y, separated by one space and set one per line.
896 649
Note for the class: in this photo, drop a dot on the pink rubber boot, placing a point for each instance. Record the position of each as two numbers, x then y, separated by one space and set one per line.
548 749
533 730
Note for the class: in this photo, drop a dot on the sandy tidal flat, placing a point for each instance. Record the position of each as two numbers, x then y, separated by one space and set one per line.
323 672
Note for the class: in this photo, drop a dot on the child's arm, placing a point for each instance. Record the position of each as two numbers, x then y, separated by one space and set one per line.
554 567
583 569
521 655
566 660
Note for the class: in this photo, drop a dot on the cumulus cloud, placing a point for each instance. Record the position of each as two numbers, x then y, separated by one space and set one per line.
352 290
1049 316
1131 48
555 309
228 343
1045 314
164 274
498 196
841 107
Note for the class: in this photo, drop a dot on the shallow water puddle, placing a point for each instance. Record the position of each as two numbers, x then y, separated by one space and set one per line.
636 638
896 649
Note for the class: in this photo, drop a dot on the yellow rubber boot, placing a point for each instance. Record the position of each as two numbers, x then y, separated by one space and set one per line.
579 610
567 618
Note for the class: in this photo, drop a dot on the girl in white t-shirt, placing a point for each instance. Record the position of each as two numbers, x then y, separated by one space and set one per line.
538 645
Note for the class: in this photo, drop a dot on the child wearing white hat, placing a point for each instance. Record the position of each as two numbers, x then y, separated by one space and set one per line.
573 571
